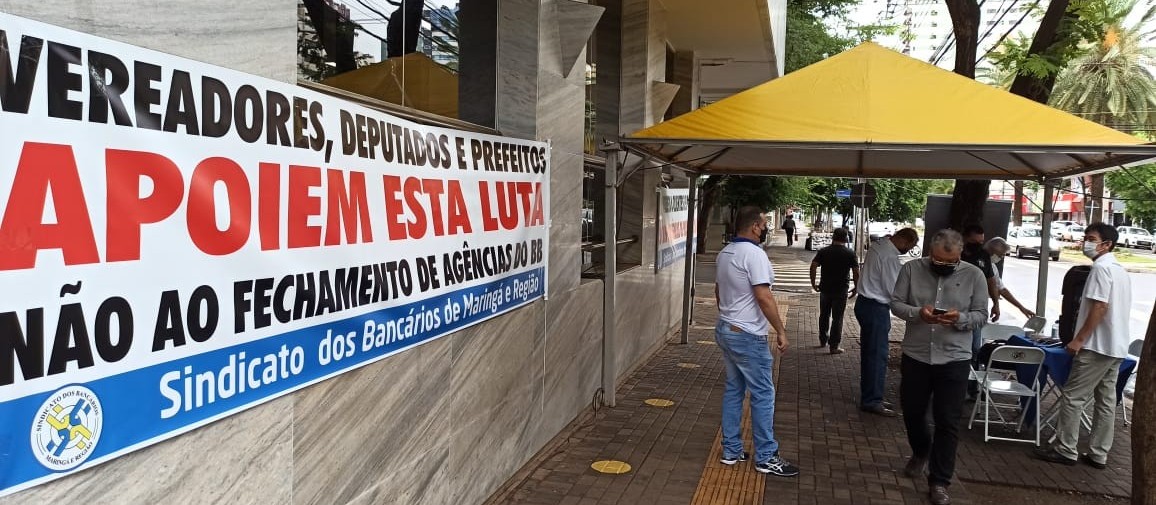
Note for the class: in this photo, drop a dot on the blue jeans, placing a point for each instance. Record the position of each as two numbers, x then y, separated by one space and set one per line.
875 329
748 360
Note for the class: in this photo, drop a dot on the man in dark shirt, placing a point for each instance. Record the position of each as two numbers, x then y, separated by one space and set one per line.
789 229
836 261
974 253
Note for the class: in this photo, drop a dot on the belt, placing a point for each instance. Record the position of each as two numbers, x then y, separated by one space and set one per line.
735 329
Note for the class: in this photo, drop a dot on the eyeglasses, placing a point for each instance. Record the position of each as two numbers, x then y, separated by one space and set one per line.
944 263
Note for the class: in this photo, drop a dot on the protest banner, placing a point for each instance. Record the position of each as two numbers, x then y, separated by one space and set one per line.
180 242
672 217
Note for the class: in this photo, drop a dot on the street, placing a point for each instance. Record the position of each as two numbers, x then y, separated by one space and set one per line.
1020 278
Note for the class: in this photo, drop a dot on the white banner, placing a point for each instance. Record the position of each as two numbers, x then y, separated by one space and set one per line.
672 212
180 242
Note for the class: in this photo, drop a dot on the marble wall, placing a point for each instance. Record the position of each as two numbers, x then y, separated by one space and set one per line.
449 421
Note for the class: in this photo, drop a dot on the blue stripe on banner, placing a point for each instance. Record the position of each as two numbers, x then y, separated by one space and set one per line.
138 409
670 254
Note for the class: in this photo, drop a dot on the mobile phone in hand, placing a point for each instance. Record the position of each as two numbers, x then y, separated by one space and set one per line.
938 312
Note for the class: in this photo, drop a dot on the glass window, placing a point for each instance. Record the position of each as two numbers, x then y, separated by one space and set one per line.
398 51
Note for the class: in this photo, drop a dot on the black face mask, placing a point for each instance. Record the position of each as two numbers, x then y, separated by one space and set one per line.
763 235
942 270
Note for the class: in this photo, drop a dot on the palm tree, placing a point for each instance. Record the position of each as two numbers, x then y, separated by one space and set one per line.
1111 83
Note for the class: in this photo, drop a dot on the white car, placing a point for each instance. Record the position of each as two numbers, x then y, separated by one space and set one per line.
878 229
1025 241
1131 236
1059 226
1073 233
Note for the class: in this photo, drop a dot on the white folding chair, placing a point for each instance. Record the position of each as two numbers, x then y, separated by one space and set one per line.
992 383
1134 351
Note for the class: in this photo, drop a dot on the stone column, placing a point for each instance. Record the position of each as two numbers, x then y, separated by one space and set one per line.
686 77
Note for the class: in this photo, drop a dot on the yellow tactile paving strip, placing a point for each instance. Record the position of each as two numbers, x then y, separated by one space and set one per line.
738 484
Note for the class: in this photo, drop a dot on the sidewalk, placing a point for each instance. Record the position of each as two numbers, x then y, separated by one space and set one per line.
846 456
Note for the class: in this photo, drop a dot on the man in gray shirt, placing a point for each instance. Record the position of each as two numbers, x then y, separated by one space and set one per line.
942 300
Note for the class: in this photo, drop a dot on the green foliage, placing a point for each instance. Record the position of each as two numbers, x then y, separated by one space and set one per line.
900 200
808 39
761 191
1136 185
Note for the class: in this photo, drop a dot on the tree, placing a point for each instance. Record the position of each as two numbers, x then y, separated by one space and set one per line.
1137 186
969 196
1144 424
900 200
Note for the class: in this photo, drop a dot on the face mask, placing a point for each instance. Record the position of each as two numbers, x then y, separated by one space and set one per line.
763 235
1090 249
942 270
996 259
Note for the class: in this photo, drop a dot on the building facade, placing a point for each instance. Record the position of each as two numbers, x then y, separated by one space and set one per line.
451 420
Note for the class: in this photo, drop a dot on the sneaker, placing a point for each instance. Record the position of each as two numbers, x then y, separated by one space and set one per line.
777 466
738 459
837 350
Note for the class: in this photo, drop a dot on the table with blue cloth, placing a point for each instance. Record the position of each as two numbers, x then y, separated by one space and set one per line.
1056 368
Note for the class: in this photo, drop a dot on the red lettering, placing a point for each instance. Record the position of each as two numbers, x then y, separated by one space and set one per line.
459 220
508 205
526 190
201 214
433 188
488 221
302 206
127 210
417 227
269 206
347 207
536 218
393 207
44 169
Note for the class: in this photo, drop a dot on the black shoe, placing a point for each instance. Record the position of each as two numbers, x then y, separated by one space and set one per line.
1051 456
938 495
915 467
822 341
888 405
879 410
777 466
730 461
1087 460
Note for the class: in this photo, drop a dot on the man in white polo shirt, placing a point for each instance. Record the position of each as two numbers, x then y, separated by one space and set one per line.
873 311
746 310
1098 348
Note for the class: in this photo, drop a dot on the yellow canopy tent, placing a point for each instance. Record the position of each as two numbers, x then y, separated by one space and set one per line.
872 112
428 86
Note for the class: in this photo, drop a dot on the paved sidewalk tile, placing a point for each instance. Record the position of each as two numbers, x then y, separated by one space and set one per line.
846 456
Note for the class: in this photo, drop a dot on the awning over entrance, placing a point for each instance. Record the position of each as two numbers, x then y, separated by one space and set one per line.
872 112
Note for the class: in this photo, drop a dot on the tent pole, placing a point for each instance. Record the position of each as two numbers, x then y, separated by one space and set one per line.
610 268
1045 239
688 261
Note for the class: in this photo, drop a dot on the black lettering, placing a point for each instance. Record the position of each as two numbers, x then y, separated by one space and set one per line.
373 137
170 322
218 108
300 107
348 133
16 87
107 80
277 119
346 286
25 347
280 310
325 303
182 108
108 351
203 295
61 80
248 113
318 128
261 302
71 343
145 95
306 296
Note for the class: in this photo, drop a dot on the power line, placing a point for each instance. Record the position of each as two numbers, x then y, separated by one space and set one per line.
1028 11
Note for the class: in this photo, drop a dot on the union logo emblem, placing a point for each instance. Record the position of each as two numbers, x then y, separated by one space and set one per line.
66 428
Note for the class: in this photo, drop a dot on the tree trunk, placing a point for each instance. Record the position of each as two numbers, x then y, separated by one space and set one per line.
1018 207
969 197
708 194
1047 36
1097 199
1144 423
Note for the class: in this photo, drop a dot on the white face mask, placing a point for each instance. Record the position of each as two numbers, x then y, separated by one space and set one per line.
1090 249
996 259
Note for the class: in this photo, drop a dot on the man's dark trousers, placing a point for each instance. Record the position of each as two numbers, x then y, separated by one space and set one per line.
943 387
875 328
831 307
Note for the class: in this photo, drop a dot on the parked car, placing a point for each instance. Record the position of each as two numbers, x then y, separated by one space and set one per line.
1073 233
1059 226
1025 241
1131 236
879 229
